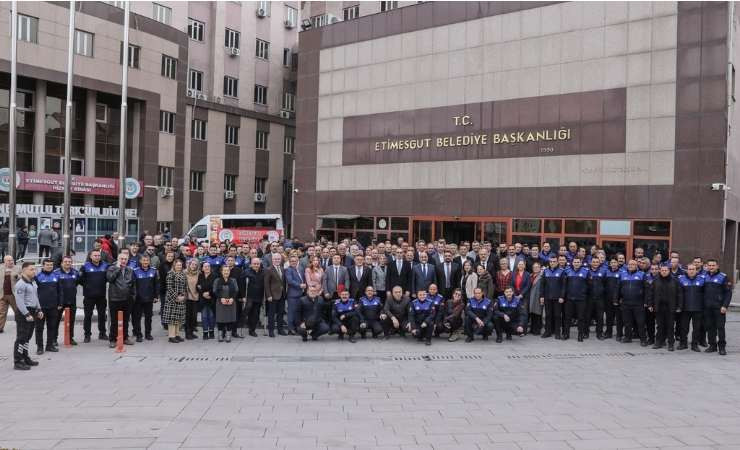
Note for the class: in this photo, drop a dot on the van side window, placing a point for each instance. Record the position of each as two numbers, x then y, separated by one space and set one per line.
199 232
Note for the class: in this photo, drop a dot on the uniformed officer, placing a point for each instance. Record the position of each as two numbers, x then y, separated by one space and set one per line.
395 315
27 309
422 314
50 293
611 304
552 297
344 317
439 303
653 273
510 315
92 278
597 295
214 259
632 287
664 299
146 280
575 293
692 285
133 255
717 296
69 279
478 316
309 315
368 312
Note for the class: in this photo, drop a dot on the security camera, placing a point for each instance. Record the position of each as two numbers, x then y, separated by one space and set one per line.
720 187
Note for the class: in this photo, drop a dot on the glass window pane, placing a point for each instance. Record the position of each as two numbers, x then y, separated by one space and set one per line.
652 228
327 223
395 236
346 224
554 242
365 223
528 240
581 241
400 223
326 234
422 230
580 226
437 229
652 245
526 225
495 232
615 227
553 226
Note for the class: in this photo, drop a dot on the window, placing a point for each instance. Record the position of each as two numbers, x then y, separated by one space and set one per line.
259 185
232 135
101 113
162 14
526 225
169 67
133 55
262 49
167 122
196 29
195 80
261 143
264 8
28 28
164 227
387 6
652 228
319 21
196 180
117 4
231 39
289 145
291 17
289 101
83 43
198 130
230 183
77 164
352 12
166 176
260 94
231 87
286 57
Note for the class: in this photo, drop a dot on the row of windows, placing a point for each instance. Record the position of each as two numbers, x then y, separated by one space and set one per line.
231 89
198 132
197 178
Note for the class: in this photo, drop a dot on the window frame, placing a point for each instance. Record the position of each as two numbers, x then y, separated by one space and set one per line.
291 16
78 34
260 92
133 56
388 6
289 145
260 185
199 130
31 32
167 122
165 10
351 12
232 38
288 103
166 177
230 182
196 30
262 49
169 64
261 138
192 73
231 87
196 180
232 135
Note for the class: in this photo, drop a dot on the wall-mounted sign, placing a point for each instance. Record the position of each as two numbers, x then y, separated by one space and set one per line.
56 211
51 182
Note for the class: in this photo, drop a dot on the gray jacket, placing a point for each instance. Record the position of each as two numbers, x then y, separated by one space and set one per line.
533 302
379 274
26 296
329 283
46 237
120 283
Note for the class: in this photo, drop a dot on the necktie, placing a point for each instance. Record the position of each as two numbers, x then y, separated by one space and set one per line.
336 274
424 270
447 275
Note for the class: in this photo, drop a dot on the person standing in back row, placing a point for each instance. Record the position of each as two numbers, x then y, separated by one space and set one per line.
121 294
49 293
717 296
275 295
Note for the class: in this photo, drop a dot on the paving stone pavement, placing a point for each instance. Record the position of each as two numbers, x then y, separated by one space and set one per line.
262 393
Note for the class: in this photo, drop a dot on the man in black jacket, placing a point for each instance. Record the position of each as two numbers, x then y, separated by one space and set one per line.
69 279
399 274
692 285
50 294
395 315
255 282
717 296
309 315
664 300
121 291
632 288
93 280
147 293
360 277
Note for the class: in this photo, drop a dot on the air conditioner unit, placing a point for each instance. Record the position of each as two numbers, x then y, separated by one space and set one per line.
165 192
229 195
331 18
289 24
192 93
285 114
261 12
233 51
202 96
260 197
217 99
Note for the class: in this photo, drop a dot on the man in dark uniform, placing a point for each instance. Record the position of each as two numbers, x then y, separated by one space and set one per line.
394 317
69 279
510 315
632 287
611 303
147 293
552 297
692 285
650 276
255 293
452 316
597 295
664 299
92 278
439 303
309 315
50 293
717 297
575 292
368 312
344 317
478 316
421 317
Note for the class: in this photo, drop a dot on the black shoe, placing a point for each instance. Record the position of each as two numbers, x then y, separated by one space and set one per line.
670 347
643 344
608 335
600 336
558 337
580 338
211 335
682 347
362 336
722 350
352 339
695 347
485 337
194 336
20 365
72 341
30 362
703 343
427 342
626 340
651 341
103 337
282 333
238 336
508 337
291 333
546 335
304 338
500 340
139 339
657 346
585 336
205 336
149 337
314 338
179 339
619 338
39 351
172 341
86 340
566 336
711 349
253 334
189 337
128 341
112 344
468 339
271 334
51 348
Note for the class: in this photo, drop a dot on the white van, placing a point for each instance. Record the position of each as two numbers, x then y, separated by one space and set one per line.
237 228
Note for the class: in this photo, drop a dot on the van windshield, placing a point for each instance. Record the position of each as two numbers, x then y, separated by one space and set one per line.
199 232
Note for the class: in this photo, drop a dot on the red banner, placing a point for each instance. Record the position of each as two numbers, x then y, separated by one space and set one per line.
247 235
49 182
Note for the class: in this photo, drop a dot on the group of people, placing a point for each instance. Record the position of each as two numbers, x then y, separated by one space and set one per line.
424 290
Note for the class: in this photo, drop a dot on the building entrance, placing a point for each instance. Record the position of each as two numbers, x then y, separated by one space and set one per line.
458 231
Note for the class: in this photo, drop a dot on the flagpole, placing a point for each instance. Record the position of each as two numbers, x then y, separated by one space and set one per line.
12 126
66 245
124 117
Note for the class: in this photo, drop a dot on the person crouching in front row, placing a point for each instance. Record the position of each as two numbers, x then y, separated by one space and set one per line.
368 312
510 315
478 316
422 313
344 317
395 315
308 315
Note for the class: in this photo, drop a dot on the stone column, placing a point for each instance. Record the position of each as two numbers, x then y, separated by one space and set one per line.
90 102
39 135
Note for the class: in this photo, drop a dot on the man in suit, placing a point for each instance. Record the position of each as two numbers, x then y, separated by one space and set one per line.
296 286
336 278
345 257
462 255
422 275
512 258
275 295
360 277
325 259
448 275
486 261
399 274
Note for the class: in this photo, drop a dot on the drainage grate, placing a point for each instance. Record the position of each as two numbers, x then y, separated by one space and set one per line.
199 358
437 357
550 356
300 359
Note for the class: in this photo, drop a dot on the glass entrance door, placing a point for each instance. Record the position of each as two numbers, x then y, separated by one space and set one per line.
613 246
455 232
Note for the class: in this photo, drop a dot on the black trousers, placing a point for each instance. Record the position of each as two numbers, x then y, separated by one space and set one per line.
252 311
373 326
579 310
44 250
23 333
613 317
318 329
472 328
388 327
714 323
553 313
664 319
695 317
452 325
649 324
596 308
52 327
422 333
503 326
275 313
21 250
352 323
90 304
634 319
240 316
114 307
191 316
535 321
142 309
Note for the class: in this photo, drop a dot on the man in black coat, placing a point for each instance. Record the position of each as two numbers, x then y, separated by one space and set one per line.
399 274
664 300
255 294
448 275
360 277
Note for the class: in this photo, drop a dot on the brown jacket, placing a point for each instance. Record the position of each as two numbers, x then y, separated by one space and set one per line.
14 274
274 283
